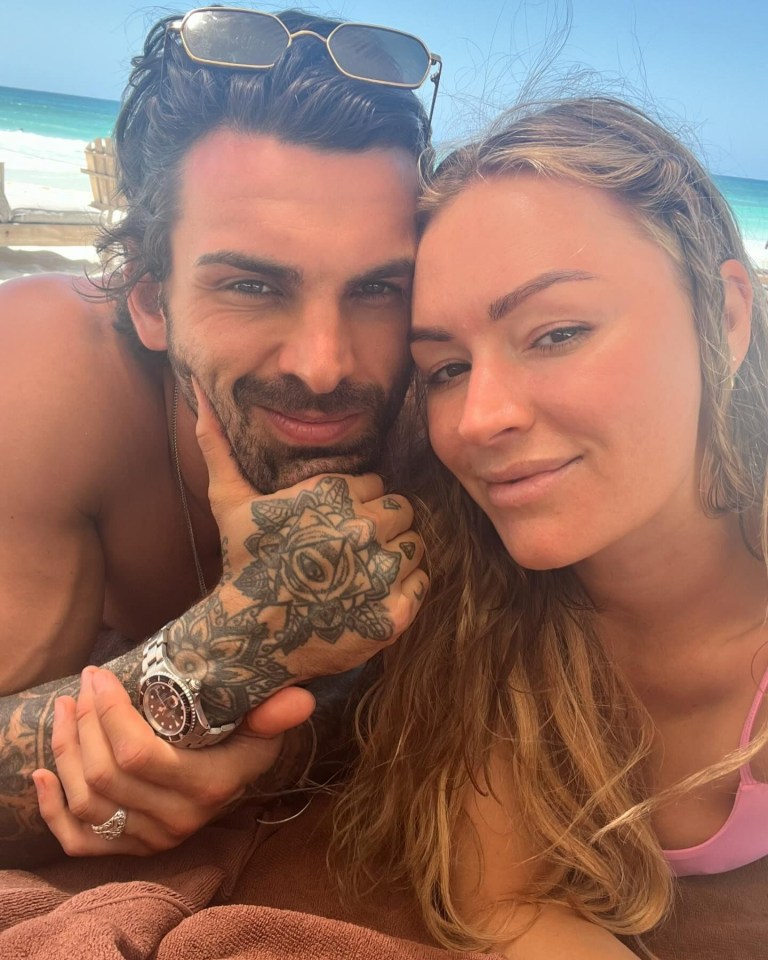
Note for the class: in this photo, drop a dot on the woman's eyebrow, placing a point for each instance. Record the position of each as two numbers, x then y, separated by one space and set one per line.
505 304
434 334
511 301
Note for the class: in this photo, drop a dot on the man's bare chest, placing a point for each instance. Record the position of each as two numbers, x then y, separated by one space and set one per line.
149 568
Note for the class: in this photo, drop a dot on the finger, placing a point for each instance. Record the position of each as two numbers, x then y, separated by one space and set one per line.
410 546
288 708
137 751
366 487
392 514
105 780
225 482
77 839
413 592
67 749
213 776
67 758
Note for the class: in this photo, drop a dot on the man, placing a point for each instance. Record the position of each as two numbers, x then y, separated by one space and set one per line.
262 300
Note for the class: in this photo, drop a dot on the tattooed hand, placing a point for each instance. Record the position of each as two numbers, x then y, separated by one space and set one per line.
316 580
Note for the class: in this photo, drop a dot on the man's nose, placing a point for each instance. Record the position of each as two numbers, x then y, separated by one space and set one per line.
318 350
496 400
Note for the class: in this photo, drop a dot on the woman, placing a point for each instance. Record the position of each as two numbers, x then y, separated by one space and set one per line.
561 734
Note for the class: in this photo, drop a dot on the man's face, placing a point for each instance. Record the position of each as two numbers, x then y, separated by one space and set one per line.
289 296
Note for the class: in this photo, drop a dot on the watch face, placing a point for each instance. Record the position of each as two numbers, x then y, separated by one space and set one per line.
165 709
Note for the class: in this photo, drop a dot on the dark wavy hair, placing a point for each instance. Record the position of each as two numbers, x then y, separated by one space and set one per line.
171 102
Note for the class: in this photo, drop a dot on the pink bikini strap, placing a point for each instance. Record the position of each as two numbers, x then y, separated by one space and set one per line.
746 733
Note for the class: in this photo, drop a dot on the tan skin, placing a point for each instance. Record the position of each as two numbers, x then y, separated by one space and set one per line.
92 531
586 382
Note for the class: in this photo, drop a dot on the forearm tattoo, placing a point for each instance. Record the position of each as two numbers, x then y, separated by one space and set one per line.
318 572
26 722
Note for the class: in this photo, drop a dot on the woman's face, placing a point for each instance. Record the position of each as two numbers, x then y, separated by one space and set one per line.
559 348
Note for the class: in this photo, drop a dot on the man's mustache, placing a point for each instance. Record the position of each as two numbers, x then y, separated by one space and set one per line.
290 395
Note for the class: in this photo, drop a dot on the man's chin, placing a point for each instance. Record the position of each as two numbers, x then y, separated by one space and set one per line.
298 470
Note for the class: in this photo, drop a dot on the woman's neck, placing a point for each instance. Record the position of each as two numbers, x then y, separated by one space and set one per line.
685 595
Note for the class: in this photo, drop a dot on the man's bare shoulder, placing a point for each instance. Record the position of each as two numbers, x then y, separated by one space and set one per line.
69 383
53 306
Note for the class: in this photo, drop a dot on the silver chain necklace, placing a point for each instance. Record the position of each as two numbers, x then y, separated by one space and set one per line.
183 492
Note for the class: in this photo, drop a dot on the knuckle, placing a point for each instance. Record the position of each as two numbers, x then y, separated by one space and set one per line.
59 744
214 795
148 846
72 847
99 777
131 756
179 828
79 805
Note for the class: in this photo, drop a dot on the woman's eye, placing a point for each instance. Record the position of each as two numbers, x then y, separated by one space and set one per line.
559 337
446 373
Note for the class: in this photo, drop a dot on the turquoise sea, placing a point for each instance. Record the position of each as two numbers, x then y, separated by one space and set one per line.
42 137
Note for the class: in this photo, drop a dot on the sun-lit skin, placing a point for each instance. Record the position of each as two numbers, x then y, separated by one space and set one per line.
290 264
569 410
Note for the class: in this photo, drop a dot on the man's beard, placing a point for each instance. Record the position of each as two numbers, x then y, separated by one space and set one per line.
270 464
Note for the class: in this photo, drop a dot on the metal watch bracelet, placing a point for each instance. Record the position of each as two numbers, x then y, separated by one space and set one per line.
180 694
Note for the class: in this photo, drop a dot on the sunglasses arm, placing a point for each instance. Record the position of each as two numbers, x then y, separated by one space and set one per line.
437 62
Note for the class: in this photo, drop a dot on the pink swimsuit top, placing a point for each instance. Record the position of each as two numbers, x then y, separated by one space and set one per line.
743 838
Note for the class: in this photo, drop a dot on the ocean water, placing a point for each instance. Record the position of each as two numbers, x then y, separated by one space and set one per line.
42 139
43 135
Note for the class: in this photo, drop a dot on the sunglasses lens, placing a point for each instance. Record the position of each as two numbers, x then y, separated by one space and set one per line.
242 38
375 53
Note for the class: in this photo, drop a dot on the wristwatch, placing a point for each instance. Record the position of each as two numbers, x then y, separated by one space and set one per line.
171 703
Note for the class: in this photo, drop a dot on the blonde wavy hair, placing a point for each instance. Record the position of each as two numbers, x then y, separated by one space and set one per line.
507 658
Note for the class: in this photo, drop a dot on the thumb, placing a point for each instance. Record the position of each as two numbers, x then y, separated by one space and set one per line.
287 708
225 482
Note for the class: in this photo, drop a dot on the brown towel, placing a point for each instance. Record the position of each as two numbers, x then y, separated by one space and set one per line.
203 900
261 933
241 890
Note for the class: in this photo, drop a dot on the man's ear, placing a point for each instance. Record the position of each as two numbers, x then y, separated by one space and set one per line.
737 314
145 304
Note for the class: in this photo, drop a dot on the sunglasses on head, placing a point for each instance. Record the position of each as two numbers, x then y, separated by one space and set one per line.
252 40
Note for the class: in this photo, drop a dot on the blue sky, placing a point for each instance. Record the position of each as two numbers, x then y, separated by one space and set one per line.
704 63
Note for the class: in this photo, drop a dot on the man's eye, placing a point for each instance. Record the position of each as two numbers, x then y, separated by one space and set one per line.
252 288
447 373
378 288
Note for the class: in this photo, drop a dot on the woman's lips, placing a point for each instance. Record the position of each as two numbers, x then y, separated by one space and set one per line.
535 482
312 429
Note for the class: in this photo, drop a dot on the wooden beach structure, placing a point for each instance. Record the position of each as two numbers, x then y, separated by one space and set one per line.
29 227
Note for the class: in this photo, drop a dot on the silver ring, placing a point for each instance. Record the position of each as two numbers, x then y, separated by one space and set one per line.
111 829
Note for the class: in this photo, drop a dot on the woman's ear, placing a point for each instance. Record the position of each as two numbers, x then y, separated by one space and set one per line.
737 314
146 306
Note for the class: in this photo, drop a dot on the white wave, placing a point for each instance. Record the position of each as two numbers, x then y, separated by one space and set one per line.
757 250
21 147
44 171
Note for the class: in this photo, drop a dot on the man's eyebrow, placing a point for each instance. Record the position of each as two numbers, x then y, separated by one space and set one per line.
505 304
512 300
402 268
262 265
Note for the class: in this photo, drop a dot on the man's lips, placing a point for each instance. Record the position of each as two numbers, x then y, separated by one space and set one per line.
521 483
312 428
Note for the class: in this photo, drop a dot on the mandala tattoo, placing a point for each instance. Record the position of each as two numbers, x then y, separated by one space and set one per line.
322 565
227 654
